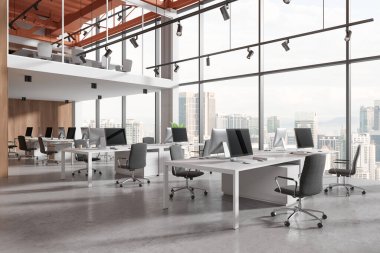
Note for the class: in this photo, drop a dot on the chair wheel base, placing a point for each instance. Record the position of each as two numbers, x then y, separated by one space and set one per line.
272 214
287 223
121 185
205 193
320 225
192 197
363 192
148 182
326 190
117 182
324 216
140 185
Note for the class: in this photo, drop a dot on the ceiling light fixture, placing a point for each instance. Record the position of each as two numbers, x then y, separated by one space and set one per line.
286 1
35 6
176 67
82 58
134 42
108 52
224 11
179 29
208 63
85 33
119 17
285 45
250 53
156 72
348 35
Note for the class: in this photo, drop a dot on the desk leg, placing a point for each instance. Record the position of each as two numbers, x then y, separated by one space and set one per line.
235 200
63 163
159 162
166 188
89 169
72 155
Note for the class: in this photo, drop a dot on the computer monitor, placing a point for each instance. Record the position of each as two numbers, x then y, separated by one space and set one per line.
96 135
169 135
239 142
61 132
29 131
218 136
49 131
179 134
85 131
115 136
304 137
280 138
71 133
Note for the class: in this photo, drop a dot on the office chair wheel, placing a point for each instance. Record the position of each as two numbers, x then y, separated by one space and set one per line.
205 193
157 175
324 216
100 173
140 185
172 190
352 188
210 172
326 190
86 175
273 214
134 180
363 192
330 187
94 170
78 171
73 174
191 189
121 185
117 182
171 196
192 197
148 181
320 225
287 223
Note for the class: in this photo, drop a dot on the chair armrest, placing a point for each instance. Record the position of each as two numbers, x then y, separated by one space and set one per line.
287 178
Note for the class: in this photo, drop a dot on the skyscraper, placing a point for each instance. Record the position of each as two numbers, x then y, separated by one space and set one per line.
366 119
210 114
134 131
272 124
307 120
376 115
366 165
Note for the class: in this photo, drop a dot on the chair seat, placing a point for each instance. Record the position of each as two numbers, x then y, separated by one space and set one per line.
30 149
288 190
50 152
12 146
189 174
94 159
340 172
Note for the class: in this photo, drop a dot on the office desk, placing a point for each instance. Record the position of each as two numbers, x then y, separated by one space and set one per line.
90 151
229 168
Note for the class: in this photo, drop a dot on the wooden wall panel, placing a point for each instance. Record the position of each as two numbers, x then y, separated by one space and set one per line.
3 89
39 115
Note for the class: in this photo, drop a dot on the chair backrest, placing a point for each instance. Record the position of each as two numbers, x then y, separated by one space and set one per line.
44 50
355 160
312 173
49 132
148 140
77 144
176 153
22 143
206 148
137 156
42 145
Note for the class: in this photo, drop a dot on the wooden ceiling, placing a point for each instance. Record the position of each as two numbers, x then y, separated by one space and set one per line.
44 23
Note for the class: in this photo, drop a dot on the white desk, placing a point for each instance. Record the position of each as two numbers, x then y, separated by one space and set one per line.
226 167
90 151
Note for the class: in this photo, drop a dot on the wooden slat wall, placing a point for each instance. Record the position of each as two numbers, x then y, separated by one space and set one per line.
39 115
3 91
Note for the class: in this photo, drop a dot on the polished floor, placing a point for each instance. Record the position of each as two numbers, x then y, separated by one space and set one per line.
41 213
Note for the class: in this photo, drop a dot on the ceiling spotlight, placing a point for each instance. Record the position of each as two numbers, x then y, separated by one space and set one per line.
134 42
145 91
285 45
208 61
176 67
97 25
99 96
24 17
58 45
108 52
70 37
348 35
156 72
224 11
119 17
35 6
82 58
179 29
286 1
85 33
23 98
250 53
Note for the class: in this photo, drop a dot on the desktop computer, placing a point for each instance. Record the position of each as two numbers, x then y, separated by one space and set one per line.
239 142
279 142
29 131
218 137
304 138
115 136
71 133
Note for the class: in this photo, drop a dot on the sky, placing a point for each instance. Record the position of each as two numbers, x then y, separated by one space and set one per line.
318 90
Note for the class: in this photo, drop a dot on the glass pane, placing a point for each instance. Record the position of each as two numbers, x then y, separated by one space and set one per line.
85 113
188 111
110 112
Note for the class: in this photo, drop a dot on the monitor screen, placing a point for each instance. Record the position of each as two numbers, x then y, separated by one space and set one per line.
304 137
71 133
179 134
49 131
239 142
29 131
115 136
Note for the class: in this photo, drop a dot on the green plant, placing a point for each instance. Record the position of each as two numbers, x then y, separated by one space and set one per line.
175 125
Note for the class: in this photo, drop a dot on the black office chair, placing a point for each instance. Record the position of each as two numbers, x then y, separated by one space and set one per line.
136 160
310 184
22 146
12 148
345 173
84 158
148 140
176 153
48 153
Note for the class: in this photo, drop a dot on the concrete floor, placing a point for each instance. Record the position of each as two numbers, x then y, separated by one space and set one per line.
40 213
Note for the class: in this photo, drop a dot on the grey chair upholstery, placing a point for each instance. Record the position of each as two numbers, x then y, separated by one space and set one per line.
148 140
310 183
136 160
176 153
29 151
84 158
347 172
48 153
12 148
